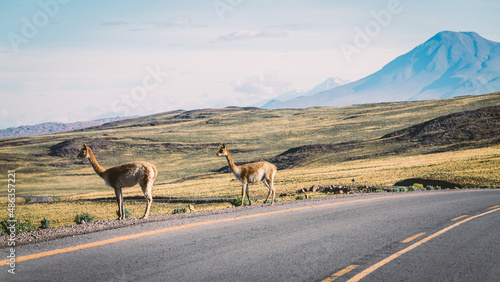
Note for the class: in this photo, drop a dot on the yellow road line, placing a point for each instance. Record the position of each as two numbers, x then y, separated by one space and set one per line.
459 217
128 237
339 273
412 237
376 266
493 207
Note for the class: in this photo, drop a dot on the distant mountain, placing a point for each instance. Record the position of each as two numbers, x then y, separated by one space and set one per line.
328 84
449 64
53 127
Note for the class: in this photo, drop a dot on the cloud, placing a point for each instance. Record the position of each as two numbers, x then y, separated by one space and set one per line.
179 22
115 23
4 112
251 34
262 86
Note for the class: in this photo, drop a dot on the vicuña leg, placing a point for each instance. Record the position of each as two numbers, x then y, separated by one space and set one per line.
244 192
119 201
272 190
248 194
146 189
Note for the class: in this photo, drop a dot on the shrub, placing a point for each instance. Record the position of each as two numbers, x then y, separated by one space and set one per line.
28 200
430 187
300 197
180 210
275 200
237 201
84 217
128 213
21 226
45 223
438 187
416 187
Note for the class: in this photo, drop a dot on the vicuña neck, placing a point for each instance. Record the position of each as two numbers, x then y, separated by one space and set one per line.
97 167
230 162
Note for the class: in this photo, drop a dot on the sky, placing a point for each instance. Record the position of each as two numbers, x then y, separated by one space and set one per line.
75 60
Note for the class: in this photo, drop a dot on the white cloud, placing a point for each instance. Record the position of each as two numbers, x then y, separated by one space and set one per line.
262 86
251 34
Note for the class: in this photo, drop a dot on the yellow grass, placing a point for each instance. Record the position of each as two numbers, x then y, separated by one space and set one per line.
191 172
451 166
63 213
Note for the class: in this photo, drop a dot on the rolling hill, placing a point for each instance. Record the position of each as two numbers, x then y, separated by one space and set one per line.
455 140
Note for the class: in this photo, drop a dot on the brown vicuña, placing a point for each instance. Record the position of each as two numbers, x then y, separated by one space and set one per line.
124 175
251 173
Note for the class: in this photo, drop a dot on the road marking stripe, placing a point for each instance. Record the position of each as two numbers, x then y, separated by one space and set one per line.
168 229
493 207
459 217
412 237
339 273
381 263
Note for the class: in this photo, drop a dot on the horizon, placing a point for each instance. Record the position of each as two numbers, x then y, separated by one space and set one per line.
68 61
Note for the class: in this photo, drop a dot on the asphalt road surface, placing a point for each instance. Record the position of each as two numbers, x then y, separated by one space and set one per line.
423 236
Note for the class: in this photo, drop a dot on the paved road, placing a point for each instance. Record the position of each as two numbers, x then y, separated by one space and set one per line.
455 238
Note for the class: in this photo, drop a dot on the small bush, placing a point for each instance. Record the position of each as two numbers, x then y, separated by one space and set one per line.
430 187
28 200
84 217
438 187
275 200
20 226
45 223
416 187
128 213
237 201
300 197
180 210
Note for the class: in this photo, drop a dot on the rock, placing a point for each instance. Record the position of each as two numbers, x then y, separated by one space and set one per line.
314 188
303 190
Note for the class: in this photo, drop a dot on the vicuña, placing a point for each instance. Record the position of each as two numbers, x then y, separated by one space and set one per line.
251 173
124 175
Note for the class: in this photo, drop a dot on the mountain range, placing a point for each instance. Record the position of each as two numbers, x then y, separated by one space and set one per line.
328 84
449 64
53 127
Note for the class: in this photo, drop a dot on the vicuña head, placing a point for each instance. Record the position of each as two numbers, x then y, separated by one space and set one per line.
84 154
251 173
222 151
124 175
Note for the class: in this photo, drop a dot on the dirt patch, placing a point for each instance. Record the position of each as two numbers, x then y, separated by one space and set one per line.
470 128
72 147
301 155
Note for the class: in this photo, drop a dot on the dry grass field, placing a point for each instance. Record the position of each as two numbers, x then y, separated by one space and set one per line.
325 146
